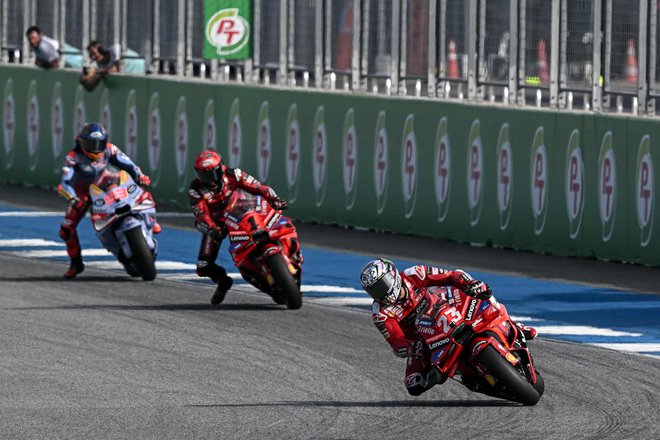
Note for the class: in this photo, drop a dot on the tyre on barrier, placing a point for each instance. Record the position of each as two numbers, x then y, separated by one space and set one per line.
288 288
508 378
142 256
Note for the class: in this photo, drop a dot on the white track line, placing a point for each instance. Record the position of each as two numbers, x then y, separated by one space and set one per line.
581 330
639 347
61 214
29 242
62 253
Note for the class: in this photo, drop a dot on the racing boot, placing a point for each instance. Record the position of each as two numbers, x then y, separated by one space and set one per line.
76 266
529 332
224 284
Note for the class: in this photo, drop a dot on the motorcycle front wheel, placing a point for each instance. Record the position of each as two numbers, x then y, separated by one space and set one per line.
286 286
142 256
507 377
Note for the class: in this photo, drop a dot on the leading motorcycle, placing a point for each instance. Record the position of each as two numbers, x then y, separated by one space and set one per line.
123 215
475 342
264 247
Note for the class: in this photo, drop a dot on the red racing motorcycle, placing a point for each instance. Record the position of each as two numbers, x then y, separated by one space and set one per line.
476 343
264 246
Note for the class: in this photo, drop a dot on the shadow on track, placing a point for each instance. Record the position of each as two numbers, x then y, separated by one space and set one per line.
371 404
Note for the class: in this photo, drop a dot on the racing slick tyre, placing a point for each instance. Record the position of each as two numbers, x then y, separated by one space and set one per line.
539 386
142 256
288 289
508 378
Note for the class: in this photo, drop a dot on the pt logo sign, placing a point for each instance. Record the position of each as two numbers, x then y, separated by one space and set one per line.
409 165
475 172
227 31
349 158
380 162
539 181
645 190
574 183
320 156
504 176
292 152
442 171
264 144
607 185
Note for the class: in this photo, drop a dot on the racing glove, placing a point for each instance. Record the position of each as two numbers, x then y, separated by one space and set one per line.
479 290
279 203
217 234
144 180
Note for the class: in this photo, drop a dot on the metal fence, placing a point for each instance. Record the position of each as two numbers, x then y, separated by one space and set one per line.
601 55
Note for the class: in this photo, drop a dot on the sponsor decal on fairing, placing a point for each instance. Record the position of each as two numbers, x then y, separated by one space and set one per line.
442 170
319 156
645 190
504 177
574 183
380 162
539 181
437 344
33 124
475 167
471 309
607 186
235 135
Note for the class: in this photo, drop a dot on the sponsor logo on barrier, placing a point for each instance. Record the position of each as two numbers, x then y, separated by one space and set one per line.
409 165
264 144
539 181
154 138
320 156
106 113
442 171
227 31
574 183
380 162
292 152
235 135
475 172
131 128
181 142
79 108
9 121
210 133
504 176
349 158
57 122
607 186
33 124
645 187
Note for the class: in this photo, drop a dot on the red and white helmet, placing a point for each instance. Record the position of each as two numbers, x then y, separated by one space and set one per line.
210 167
382 281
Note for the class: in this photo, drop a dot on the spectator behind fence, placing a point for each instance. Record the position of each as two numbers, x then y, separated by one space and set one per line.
104 61
46 50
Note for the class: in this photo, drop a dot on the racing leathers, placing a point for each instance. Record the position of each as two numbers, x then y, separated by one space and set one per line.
79 172
208 202
396 321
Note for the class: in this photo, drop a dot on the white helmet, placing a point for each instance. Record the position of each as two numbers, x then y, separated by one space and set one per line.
381 281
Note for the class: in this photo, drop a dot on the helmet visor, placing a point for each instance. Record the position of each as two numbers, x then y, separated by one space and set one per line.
210 176
93 145
387 284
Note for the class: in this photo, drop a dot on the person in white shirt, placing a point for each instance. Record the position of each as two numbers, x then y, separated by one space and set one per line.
105 61
46 50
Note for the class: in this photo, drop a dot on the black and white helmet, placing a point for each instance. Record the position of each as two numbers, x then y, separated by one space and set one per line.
380 279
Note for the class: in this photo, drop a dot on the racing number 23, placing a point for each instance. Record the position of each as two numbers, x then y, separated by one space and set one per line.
447 318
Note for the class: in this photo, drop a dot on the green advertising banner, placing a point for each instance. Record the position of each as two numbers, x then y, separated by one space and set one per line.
227 32
569 184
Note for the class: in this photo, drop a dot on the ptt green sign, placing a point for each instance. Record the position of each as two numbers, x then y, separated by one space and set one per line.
227 29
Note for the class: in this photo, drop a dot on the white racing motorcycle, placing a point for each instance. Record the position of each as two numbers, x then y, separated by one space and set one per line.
123 215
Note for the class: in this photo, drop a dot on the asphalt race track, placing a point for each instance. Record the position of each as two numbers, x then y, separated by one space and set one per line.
106 356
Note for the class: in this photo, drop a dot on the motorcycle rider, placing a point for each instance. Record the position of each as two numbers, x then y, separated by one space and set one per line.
394 311
208 195
82 166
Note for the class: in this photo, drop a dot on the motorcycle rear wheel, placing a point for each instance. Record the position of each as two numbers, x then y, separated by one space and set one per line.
508 377
142 256
286 285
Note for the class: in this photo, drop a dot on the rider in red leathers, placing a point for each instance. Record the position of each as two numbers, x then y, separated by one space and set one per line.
82 166
394 311
208 196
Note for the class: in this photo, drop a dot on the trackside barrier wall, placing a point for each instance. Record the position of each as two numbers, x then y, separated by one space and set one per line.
567 184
